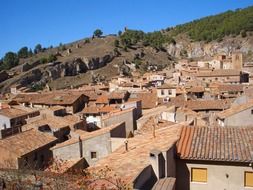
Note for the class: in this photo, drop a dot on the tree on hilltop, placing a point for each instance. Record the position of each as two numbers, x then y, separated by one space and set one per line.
98 33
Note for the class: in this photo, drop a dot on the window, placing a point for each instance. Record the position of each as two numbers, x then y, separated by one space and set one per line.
162 92
248 179
93 155
170 92
199 175
251 112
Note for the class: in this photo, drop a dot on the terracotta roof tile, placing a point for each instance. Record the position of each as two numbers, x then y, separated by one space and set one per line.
216 144
103 99
13 112
219 73
129 164
196 89
148 100
230 88
208 104
167 86
52 98
25 142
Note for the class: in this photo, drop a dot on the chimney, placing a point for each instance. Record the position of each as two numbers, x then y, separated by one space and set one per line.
158 164
126 144
80 147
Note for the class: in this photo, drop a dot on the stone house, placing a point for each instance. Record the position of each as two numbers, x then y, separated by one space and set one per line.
237 116
146 161
230 76
93 114
222 91
237 60
214 63
148 99
72 101
156 79
166 91
195 92
207 109
89 145
13 118
214 158
136 104
26 150
127 116
118 97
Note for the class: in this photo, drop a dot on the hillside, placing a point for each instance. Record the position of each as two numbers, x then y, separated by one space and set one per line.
216 27
101 58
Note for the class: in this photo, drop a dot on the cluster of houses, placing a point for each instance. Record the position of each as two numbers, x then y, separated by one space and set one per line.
189 129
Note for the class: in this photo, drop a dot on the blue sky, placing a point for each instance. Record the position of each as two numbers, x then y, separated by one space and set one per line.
49 22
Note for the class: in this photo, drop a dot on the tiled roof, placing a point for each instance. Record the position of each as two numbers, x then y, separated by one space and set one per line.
196 89
216 144
129 164
235 109
52 98
108 109
208 104
230 88
25 142
97 110
103 99
148 100
165 184
117 95
219 73
17 111
91 110
55 122
167 86
52 122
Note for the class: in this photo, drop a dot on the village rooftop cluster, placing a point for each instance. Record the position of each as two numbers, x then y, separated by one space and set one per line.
186 129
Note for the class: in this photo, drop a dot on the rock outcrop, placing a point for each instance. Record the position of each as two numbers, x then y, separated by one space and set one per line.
200 49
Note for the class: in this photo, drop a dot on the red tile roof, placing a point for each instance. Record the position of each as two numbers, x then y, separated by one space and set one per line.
52 98
219 73
208 104
216 144
26 142
103 99
129 164
148 100
231 88
196 89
